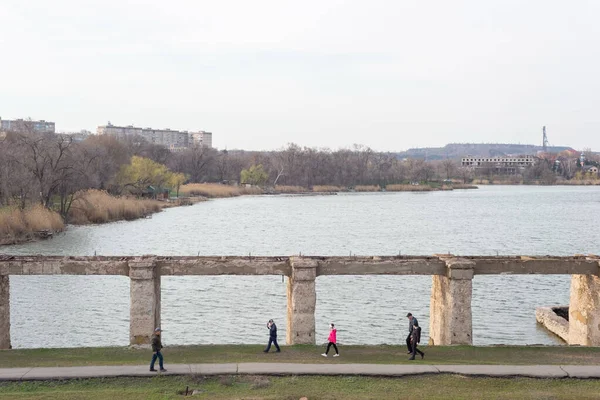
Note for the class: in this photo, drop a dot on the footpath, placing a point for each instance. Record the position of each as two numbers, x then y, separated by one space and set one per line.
280 369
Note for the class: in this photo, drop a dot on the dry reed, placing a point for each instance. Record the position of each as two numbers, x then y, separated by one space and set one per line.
327 188
18 225
216 190
409 188
97 206
290 189
367 188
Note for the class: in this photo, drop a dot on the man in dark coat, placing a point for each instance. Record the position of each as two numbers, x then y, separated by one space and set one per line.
272 336
411 322
415 338
156 348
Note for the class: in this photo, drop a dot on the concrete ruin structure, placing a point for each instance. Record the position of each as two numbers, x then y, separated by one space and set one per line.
451 291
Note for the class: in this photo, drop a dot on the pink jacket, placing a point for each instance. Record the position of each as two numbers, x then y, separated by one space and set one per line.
333 336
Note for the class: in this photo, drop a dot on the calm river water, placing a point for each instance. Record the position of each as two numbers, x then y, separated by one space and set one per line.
71 311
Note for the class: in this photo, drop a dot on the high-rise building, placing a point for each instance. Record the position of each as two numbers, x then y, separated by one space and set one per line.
26 126
201 139
165 137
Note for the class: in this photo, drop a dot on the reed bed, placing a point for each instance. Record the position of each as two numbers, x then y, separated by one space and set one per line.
409 188
97 207
463 186
290 189
216 190
327 188
18 225
367 188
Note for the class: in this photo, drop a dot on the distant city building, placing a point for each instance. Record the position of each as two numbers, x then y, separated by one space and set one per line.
172 139
504 164
25 126
201 139
77 136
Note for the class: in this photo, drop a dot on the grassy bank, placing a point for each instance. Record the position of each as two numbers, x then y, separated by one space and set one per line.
215 190
17 226
301 354
312 387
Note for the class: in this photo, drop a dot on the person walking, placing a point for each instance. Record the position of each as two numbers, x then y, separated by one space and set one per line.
272 336
415 338
156 348
332 341
411 322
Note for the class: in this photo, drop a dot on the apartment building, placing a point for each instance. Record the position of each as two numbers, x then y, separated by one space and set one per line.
201 139
505 164
25 126
171 139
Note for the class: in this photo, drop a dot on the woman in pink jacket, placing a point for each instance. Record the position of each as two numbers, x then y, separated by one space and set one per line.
332 341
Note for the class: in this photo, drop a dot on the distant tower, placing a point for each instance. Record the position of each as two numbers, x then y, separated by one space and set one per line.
544 140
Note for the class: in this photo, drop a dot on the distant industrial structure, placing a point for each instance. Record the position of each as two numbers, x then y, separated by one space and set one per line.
504 164
172 139
26 126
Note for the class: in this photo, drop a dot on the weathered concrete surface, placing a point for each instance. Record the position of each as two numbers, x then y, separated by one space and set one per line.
401 265
302 301
4 312
534 265
553 322
251 265
281 369
224 266
584 310
145 300
451 320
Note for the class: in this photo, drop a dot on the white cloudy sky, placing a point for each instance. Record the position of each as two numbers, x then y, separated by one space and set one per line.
260 74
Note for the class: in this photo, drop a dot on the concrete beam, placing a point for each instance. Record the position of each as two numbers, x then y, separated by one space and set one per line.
4 312
380 266
302 301
145 300
534 265
224 266
451 320
53 265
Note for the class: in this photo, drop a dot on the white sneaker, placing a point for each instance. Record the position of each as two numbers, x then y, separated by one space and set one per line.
336 355
324 355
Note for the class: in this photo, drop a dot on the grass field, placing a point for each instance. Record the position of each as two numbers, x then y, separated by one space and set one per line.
301 354
316 387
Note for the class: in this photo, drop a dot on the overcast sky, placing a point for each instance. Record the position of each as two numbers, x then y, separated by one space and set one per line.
327 73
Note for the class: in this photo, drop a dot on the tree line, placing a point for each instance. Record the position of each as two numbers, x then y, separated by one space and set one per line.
52 168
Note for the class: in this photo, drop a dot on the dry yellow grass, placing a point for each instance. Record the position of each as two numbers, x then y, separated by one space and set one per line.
409 188
97 206
463 186
18 225
367 188
216 190
327 188
290 189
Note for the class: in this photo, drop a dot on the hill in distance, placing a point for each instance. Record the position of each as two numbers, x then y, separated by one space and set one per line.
458 150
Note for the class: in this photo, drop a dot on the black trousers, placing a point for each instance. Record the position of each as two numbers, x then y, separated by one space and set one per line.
408 343
334 346
274 341
414 350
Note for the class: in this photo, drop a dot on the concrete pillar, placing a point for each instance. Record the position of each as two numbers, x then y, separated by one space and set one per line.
451 321
4 312
145 300
584 310
302 300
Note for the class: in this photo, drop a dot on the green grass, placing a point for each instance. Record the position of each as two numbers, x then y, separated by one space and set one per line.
300 354
341 387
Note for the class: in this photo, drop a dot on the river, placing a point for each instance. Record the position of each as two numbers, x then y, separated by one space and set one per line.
73 311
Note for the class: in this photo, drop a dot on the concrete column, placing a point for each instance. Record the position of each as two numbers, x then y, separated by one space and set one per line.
584 310
145 300
4 312
451 321
302 300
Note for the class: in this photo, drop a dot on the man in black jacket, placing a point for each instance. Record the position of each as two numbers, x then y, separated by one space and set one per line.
411 322
272 336
156 348
415 338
